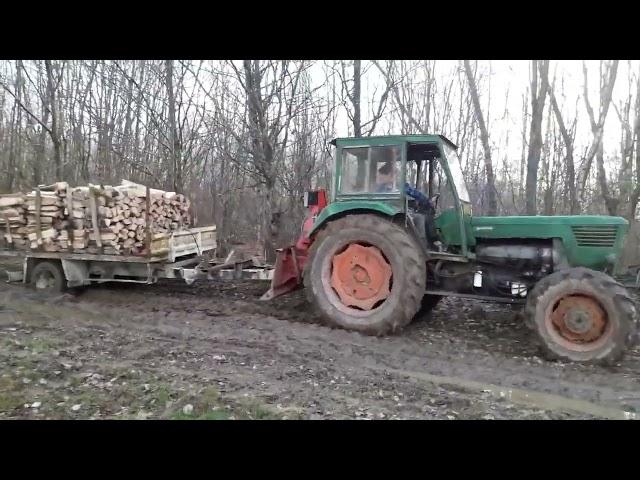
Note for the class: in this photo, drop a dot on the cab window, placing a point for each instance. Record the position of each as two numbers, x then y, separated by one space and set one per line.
370 170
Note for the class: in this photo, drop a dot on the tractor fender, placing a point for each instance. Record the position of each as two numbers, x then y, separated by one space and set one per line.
336 210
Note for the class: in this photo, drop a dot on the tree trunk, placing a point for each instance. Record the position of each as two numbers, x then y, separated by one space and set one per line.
635 197
538 97
596 150
262 149
355 99
176 150
568 145
55 135
14 146
492 208
357 119
41 149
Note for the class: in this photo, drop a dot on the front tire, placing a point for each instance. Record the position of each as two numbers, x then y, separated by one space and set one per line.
582 315
365 274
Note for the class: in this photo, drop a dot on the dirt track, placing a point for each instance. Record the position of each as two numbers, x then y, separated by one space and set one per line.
150 351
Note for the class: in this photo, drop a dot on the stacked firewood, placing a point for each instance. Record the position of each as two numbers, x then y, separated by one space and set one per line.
97 219
35 220
46 218
13 220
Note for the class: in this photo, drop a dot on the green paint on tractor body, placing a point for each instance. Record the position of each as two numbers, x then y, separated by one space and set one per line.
590 241
336 209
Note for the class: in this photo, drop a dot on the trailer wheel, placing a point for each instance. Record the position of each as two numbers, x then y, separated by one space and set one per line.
365 273
48 277
582 315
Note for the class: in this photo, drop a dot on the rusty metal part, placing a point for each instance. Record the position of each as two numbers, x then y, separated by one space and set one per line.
579 319
287 274
290 261
361 276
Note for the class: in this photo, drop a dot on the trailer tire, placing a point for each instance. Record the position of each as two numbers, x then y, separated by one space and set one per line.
48 276
403 258
582 315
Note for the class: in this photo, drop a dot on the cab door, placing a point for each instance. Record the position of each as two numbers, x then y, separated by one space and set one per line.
447 219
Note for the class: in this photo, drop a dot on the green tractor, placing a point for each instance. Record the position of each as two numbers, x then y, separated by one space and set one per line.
398 235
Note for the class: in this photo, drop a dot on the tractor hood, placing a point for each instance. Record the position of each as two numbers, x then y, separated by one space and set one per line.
591 241
538 226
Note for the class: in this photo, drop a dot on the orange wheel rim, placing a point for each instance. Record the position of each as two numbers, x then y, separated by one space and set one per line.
361 276
579 319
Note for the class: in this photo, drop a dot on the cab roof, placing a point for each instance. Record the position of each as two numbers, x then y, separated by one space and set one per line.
391 139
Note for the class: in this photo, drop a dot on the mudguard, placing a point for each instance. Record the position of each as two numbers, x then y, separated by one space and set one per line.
338 209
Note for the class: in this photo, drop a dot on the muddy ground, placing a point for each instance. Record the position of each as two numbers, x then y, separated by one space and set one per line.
213 351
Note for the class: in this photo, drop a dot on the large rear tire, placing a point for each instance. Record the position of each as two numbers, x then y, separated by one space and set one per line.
366 274
582 315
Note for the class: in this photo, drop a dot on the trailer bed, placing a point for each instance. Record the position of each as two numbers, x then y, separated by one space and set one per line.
168 256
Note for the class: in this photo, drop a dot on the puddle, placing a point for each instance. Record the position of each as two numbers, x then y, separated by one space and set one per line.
530 398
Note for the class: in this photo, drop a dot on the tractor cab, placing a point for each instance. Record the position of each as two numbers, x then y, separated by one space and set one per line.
417 176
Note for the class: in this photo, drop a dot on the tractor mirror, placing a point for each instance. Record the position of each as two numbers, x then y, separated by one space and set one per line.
315 198
310 198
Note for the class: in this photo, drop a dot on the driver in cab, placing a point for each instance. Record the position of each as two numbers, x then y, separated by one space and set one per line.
385 177
385 181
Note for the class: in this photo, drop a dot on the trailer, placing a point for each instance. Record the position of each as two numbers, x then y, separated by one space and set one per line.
182 254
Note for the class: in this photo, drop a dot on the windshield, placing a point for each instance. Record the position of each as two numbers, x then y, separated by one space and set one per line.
456 173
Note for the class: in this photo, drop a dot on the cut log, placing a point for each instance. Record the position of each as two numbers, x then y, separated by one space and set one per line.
46 201
10 212
79 243
12 220
49 233
11 200
105 235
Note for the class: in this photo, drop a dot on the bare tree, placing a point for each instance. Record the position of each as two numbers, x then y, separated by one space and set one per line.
539 75
175 143
568 141
270 90
635 196
52 87
484 136
608 71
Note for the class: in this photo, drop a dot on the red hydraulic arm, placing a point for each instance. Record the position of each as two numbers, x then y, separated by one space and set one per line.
290 261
